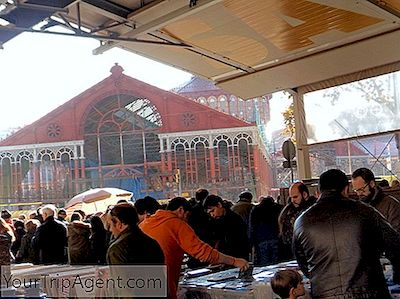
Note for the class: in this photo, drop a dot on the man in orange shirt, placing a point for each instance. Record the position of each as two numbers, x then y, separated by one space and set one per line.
170 229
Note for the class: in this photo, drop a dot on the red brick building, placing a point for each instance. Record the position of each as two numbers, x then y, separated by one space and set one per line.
125 133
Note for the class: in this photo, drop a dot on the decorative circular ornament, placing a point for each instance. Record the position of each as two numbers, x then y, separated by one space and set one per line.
53 130
188 119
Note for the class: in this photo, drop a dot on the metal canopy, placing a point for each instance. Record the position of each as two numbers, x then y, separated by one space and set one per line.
248 47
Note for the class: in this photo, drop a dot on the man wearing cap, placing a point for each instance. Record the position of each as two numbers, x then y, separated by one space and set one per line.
244 206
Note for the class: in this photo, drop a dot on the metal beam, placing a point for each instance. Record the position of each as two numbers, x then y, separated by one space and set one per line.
161 21
41 7
214 56
88 35
104 12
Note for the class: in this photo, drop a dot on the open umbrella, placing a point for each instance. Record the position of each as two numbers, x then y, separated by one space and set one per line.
97 200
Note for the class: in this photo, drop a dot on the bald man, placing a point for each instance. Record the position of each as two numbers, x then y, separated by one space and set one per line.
300 201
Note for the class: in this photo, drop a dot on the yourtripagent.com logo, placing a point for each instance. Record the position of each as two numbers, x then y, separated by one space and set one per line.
85 281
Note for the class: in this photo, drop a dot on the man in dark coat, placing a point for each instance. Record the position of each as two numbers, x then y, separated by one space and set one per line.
338 243
229 228
300 200
200 222
244 206
131 246
264 231
50 239
26 252
79 252
367 190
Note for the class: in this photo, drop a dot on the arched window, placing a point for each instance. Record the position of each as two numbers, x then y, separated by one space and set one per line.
212 102
6 177
180 161
244 161
46 171
241 108
223 160
223 104
233 106
121 137
202 100
200 159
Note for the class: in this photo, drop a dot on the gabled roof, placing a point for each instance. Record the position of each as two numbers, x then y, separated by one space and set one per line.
196 84
66 122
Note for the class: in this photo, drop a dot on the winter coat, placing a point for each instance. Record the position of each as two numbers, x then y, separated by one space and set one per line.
79 251
264 222
338 243
243 209
26 252
5 246
50 241
19 234
286 221
98 247
388 206
175 237
133 247
231 235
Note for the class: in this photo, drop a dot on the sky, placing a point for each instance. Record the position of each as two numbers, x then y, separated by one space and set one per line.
39 72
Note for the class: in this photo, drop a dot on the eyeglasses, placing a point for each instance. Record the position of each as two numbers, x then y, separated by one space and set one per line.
359 190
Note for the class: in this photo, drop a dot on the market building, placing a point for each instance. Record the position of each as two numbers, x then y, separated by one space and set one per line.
128 134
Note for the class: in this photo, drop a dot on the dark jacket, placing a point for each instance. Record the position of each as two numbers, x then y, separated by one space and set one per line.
133 247
5 247
264 221
388 206
98 247
19 233
243 209
286 221
200 222
79 251
50 241
231 235
338 242
26 252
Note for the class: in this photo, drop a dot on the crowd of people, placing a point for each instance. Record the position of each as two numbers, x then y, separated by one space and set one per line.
337 241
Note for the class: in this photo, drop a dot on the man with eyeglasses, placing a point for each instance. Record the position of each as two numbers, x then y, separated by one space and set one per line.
368 191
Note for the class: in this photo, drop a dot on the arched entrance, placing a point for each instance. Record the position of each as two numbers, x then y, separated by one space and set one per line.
122 148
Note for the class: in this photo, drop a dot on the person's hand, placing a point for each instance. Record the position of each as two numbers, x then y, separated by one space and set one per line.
241 263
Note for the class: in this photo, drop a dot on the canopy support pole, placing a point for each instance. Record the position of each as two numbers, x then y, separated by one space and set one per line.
302 151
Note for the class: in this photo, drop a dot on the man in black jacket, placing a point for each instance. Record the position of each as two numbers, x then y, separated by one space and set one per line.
300 200
338 243
264 231
229 228
131 246
50 240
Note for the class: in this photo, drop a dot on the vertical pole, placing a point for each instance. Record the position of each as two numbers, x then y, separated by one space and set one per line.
302 152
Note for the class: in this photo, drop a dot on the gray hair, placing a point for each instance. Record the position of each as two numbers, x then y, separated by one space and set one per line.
50 210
